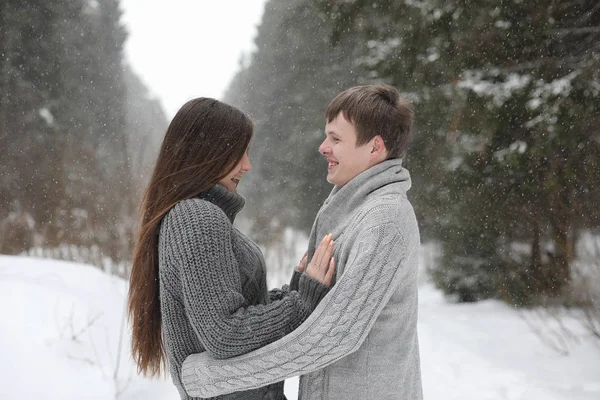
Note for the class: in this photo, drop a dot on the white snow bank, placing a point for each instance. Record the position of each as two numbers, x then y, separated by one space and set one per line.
60 334
61 323
488 350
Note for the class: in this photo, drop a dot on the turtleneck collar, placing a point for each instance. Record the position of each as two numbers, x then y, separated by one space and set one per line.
385 173
230 202
385 178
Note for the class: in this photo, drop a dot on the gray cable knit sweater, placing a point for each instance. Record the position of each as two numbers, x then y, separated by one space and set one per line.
213 290
361 341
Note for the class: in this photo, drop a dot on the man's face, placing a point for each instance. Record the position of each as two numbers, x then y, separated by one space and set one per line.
344 158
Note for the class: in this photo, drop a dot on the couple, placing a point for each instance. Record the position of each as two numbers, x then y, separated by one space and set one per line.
347 322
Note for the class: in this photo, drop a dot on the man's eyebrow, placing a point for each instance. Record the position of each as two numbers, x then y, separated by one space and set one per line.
334 133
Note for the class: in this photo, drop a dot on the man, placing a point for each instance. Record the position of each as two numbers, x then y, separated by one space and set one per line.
361 341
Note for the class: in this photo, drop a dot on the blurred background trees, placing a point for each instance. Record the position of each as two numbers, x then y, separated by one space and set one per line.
78 129
505 159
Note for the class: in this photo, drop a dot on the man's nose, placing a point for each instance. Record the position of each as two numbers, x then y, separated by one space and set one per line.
324 148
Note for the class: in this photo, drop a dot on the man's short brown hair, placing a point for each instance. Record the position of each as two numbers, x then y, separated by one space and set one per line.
376 110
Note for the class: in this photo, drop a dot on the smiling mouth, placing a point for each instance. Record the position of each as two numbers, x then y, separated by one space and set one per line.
331 164
236 180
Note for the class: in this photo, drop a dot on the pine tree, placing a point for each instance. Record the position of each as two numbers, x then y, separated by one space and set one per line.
511 83
63 136
505 159
285 88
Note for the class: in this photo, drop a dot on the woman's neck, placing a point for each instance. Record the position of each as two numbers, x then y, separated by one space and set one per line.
230 202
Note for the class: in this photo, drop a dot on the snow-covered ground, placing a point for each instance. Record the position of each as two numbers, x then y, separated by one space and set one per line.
59 339
489 351
59 335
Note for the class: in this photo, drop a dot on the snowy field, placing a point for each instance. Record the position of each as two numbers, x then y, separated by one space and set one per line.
61 324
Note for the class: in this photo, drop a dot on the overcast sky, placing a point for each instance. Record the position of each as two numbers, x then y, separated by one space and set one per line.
188 48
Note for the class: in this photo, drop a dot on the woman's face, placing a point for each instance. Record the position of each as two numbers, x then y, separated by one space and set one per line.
233 178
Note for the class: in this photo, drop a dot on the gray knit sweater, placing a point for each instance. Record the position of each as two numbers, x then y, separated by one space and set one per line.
213 290
361 341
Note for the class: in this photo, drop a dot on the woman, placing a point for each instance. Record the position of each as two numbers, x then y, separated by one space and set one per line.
197 284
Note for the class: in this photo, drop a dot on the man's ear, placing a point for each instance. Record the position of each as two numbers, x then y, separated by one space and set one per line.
377 147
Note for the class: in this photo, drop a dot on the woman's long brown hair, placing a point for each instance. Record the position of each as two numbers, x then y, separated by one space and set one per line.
204 142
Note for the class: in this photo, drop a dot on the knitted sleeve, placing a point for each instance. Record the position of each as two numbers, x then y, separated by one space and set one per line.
278 294
334 330
198 245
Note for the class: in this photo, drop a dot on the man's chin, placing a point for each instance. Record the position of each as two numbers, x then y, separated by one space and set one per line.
331 179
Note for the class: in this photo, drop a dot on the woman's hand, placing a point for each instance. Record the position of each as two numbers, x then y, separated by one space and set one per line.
302 266
322 264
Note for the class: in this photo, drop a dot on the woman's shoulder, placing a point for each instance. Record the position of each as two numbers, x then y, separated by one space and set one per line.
194 213
188 229
195 205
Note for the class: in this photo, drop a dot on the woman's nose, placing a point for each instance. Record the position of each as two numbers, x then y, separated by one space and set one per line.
246 165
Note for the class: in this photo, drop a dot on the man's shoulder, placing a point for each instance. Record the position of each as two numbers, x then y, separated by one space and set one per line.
389 207
387 216
390 211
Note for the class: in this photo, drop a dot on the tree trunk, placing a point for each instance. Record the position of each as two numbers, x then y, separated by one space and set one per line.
558 270
536 256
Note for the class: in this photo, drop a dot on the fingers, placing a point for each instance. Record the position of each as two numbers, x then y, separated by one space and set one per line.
323 246
320 265
317 255
328 253
302 266
330 272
